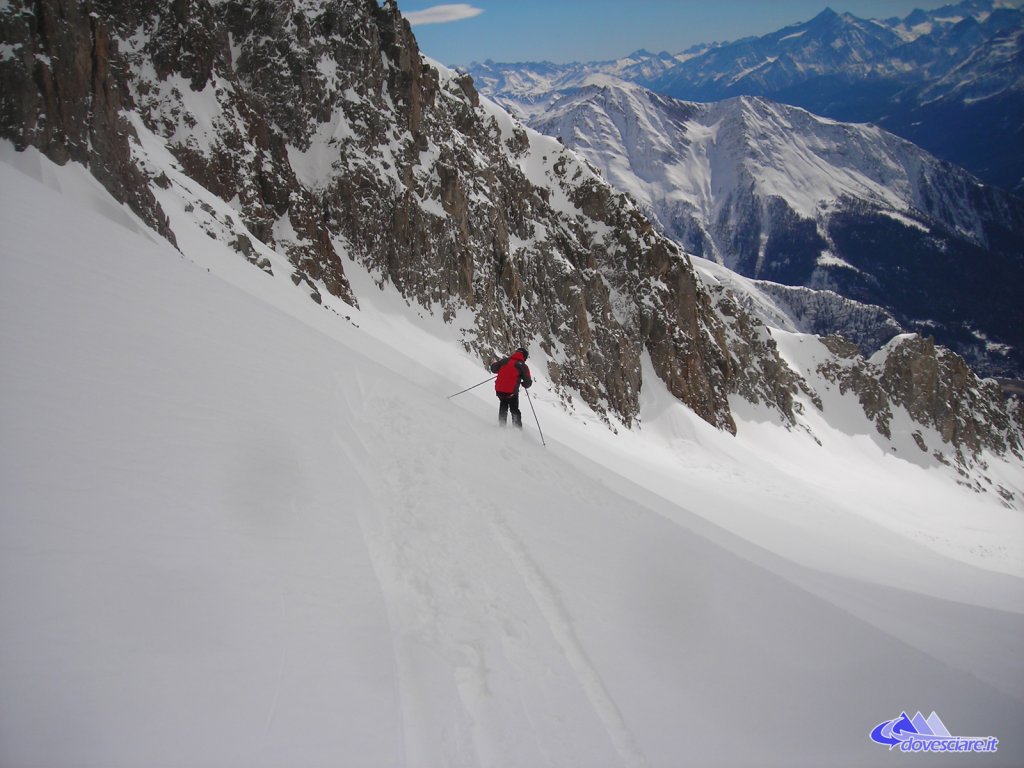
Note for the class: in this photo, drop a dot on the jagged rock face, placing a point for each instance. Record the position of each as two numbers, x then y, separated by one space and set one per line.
327 132
759 373
937 389
61 91
239 149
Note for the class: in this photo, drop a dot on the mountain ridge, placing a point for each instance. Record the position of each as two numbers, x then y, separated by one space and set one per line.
905 77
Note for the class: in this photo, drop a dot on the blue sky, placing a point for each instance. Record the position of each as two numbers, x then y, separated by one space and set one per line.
590 30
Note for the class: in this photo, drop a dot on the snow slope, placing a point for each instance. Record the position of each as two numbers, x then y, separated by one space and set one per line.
239 529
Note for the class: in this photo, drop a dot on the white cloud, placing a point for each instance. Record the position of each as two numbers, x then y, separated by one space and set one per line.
442 14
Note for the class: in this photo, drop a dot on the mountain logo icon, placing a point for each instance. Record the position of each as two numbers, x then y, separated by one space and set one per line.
921 734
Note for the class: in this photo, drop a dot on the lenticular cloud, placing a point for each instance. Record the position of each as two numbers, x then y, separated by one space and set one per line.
442 14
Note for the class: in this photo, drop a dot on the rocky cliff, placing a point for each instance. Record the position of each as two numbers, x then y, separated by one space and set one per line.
330 135
63 90
947 404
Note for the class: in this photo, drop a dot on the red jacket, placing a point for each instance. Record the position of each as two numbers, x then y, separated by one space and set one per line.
512 372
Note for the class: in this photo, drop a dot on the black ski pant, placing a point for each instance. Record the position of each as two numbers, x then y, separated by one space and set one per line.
509 402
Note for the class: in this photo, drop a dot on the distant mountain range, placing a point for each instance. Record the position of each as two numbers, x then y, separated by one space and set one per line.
849 228
951 80
776 193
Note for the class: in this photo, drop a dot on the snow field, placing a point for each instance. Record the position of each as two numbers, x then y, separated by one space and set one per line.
237 529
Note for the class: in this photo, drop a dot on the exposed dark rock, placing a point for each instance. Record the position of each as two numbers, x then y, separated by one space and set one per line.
62 91
937 389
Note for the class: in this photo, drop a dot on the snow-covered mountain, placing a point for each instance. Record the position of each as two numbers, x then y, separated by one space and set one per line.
779 194
951 80
526 88
247 250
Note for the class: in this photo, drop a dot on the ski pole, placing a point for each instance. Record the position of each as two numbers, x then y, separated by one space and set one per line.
473 387
530 401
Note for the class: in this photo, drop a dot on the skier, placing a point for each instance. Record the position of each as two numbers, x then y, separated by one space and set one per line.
512 371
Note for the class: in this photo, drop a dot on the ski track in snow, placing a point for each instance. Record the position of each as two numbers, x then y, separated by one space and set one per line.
413 537
560 622
423 556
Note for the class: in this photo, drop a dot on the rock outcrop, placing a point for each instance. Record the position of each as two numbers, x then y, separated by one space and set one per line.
966 416
63 91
